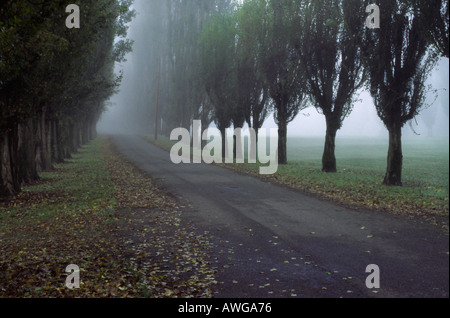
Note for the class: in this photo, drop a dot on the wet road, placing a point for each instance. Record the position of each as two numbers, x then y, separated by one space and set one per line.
271 241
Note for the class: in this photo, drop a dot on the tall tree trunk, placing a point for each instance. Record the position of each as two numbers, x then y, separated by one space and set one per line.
75 137
48 144
55 146
329 153
93 129
393 175
27 152
43 151
61 140
9 177
65 139
85 137
282 142
224 141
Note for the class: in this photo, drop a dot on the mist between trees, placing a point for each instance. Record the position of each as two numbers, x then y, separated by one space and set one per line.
232 64
221 62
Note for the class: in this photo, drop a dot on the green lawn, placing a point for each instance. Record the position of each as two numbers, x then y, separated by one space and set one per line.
62 219
426 161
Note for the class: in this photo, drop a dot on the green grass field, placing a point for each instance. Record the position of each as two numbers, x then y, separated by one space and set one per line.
426 161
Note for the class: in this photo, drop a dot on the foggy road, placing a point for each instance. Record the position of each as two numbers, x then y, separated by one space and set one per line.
271 241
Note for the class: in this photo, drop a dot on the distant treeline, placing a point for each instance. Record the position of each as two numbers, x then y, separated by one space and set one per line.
233 63
54 80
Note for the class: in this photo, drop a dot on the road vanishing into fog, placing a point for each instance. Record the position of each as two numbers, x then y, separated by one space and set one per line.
270 241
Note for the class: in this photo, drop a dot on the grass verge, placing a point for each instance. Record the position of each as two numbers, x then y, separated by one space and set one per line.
98 212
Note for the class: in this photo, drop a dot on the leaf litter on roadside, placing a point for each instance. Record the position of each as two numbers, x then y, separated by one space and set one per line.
97 211
168 253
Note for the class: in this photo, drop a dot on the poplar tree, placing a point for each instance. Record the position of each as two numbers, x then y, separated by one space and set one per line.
331 58
282 68
398 62
252 89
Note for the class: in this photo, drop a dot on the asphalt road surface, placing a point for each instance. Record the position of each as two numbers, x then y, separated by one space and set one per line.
270 241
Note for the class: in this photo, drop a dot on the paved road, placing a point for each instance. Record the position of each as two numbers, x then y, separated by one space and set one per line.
274 242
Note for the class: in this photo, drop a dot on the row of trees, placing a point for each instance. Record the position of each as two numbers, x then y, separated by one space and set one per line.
54 80
291 54
234 63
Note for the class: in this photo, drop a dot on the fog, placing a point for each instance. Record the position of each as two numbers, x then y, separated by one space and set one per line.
433 120
122 115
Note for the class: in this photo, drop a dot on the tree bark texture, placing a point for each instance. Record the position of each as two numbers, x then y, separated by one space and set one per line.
282 141
393 175
9 176
329 153
27 152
